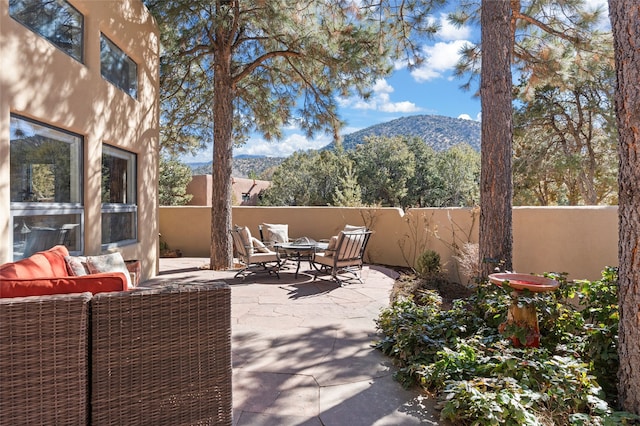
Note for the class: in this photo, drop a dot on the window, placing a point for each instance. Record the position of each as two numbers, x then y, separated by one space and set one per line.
55 20
117 67
119 208
45 184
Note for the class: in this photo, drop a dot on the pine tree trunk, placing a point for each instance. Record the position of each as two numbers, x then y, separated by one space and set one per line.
625 23
497 130
221 247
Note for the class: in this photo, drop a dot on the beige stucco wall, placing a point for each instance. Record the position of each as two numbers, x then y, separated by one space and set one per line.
577 240
200 187
39 81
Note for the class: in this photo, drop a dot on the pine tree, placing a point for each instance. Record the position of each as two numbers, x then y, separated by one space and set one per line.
625 23
521 34
232 67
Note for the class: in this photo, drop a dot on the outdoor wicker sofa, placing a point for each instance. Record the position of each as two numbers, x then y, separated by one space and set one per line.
156 356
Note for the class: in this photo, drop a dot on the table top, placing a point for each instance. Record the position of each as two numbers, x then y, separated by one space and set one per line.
302 247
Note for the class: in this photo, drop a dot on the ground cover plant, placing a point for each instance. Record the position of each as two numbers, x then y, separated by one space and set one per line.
456 352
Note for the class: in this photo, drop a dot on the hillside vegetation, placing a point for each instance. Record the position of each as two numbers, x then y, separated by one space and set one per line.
439 132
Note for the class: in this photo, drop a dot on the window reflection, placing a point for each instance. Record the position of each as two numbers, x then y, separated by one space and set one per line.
119 208
45 164
55 20
117 67
45 185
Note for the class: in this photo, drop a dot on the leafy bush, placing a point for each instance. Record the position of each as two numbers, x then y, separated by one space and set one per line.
480 378
428 264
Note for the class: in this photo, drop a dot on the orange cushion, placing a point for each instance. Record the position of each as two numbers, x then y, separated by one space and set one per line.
49 263
96 283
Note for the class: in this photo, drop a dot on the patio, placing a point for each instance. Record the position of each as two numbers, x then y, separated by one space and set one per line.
301 349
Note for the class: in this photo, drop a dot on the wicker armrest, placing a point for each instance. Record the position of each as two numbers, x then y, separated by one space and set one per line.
43 359
162 356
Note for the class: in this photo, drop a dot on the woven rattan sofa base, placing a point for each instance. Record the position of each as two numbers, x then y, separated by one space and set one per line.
162 356
43 360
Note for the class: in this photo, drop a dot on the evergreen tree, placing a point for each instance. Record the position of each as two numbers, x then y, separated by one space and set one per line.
625 23
384 167
348 192
459 171
231 67
519 33
173 178
307 179
496 240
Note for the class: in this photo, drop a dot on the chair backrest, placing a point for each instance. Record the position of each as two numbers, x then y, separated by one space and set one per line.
352 244
40 239
274 233
241 241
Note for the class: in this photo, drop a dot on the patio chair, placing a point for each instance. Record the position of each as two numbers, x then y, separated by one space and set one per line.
271 234
253 254
343 256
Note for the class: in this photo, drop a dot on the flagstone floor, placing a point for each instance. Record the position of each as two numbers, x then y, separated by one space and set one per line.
302 351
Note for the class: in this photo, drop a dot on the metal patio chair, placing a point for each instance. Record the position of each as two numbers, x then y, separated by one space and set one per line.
254 255
347 258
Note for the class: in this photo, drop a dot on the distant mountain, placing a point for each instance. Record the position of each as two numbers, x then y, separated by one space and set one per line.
437 131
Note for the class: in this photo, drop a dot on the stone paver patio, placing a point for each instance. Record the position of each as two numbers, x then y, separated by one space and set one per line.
302 350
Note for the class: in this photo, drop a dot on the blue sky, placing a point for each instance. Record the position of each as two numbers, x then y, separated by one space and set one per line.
430 89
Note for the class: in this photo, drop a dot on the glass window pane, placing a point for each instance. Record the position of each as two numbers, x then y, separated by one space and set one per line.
117 67
55 20
46 164
41 232
118 227
119 209
118 176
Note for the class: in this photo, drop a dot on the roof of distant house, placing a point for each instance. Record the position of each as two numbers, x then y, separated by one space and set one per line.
245 191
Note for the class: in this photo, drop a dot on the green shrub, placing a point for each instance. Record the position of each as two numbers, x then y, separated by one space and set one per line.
428 264
460 355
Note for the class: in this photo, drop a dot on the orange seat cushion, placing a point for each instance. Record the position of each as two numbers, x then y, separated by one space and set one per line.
96 283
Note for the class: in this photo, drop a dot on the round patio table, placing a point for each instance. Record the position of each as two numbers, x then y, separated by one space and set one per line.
301 251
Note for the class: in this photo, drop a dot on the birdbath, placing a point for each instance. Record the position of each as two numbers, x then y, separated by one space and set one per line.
523 316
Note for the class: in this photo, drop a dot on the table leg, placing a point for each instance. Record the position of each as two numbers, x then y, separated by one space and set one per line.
297 267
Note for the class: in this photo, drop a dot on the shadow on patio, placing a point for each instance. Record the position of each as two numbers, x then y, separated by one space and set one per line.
302 350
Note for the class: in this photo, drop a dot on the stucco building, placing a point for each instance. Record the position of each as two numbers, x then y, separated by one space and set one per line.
79 133
246 192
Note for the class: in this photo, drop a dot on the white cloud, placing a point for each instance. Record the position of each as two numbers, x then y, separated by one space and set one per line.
381 86
404 107
464 116
380 100
283 148
258 146
451 32
440 58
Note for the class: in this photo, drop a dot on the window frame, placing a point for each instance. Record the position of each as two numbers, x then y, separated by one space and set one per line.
69 52
132 192
52 209
114 48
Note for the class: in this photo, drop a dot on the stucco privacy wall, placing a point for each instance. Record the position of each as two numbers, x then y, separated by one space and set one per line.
39 81
577 240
